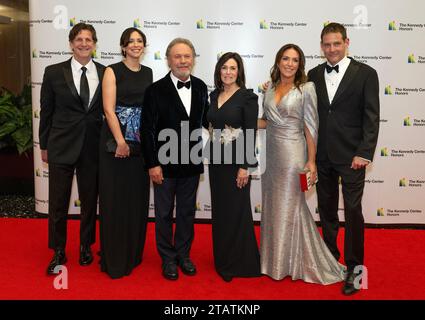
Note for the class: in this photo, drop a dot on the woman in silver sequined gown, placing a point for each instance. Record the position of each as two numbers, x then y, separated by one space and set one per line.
290 242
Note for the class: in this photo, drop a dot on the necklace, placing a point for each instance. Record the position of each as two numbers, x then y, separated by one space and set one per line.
132 69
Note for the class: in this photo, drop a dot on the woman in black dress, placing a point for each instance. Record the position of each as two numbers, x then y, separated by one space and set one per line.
123 183
232 119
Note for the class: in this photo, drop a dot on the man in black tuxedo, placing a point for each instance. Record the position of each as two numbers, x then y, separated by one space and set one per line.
70 121
348 105
177 103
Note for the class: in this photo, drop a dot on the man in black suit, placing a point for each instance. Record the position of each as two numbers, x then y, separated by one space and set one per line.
70 121
177 103
348 105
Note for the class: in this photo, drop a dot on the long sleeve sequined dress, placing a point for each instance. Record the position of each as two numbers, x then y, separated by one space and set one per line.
290 241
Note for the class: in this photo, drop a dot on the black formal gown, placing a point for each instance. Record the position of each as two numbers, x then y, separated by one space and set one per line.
123 183
234 244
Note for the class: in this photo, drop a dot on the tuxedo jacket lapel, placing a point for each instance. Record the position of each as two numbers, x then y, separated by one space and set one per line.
100 72
321 88
176 98
346 80
67 72
194 101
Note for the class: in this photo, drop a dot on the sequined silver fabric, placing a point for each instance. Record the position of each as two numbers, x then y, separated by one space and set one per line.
290 242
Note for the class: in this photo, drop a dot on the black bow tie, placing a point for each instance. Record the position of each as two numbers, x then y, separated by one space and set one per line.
329 68
181 84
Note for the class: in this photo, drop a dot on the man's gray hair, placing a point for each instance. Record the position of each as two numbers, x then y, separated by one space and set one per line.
180 40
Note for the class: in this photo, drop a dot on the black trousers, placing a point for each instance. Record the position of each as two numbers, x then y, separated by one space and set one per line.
60 184
352 182
173 248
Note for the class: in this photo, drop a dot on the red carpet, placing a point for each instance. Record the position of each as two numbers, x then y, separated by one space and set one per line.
395 261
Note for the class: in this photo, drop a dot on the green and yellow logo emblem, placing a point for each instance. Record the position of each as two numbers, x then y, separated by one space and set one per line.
411 58
391 26
402 182
260 89
380 212
34 53
77 203
136 23
264 24
72 22
406 122
384 152
37 172
257 208
388 90
200 24
157 55
94 54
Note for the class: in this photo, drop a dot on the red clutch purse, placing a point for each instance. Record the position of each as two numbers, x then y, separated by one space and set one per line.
305 180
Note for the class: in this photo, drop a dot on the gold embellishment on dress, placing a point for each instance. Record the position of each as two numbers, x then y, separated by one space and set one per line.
227 135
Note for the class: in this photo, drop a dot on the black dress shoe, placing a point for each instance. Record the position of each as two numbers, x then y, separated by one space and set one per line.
169 271
187 267
86 256
59 258
349 287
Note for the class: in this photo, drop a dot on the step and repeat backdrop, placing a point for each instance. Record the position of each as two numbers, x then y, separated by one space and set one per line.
386 34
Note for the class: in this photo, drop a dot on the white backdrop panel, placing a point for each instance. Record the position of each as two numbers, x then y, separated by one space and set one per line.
386 34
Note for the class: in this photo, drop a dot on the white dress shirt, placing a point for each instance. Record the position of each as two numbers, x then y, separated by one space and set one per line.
91 74
333 79
185 94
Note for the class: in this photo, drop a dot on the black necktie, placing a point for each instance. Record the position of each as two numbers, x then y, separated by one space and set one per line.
329 68
181 84
84 88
